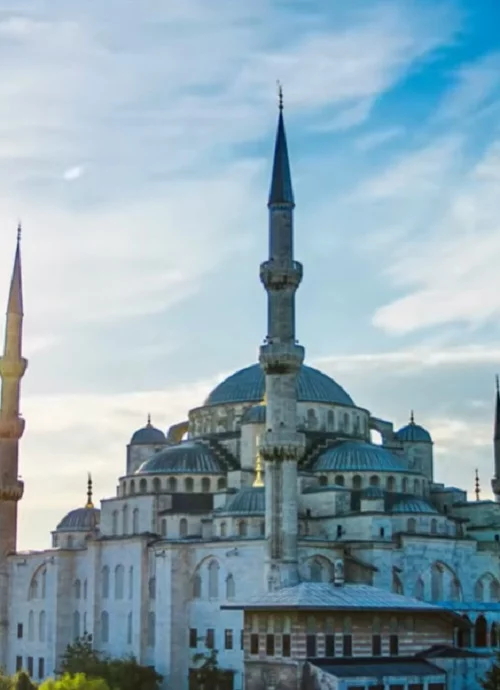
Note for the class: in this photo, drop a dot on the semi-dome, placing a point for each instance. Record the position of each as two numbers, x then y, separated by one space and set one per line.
413 505
352 456
248 385
185 458
248 501
412 433
255 415
148 436
80 520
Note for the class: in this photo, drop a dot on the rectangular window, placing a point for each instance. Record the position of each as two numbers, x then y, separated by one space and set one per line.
376 645
286 645
19 631
210 638
416 686
193 638
311 645
393 645
228 639
254 643
19 663
41 668
347 645
242 639
330 646
270 645
30 666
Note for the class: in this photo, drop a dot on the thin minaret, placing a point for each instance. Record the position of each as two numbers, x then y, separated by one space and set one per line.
90 503
12 368
477 486
495 482
281 357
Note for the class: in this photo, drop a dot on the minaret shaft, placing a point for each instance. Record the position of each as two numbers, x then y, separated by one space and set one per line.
495 482
281 358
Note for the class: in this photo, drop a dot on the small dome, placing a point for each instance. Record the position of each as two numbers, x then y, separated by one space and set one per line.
413 505
148 436
185 458
248 385
249 501
372 493
412 433
255 415
352 456
80 520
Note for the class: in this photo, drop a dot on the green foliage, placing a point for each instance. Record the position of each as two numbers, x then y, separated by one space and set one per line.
207 674
492 679
21 681
77 682
119 674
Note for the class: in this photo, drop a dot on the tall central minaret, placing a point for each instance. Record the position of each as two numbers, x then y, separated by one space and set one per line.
495 482
281 358
12 368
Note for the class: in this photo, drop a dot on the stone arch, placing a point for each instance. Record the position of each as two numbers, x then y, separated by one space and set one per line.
77 587
444 583
330 420
221 483
391 483
494 635
213 579
143 485
397 585
420 589
189 485
135 521
480 632
172 484
374 480
463 633
131 488
205 485
114 527
416 486
183 527
119 582
411 525
339 480
42 626
157 485
357 482
230 587
487 588
434 526
323 480
125 519
319 569
404 485
242 528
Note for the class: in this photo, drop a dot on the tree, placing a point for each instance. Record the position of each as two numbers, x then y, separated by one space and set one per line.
207 674
120 674
21 681
492 678
77 682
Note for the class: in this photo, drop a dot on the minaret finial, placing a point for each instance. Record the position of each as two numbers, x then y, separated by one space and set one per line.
258 481
280 95
478 486
497 383
19 231
412 417
89 492
149 419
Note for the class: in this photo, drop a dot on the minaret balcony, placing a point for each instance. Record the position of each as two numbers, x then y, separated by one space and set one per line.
277 275
281 445
11 491
281 358
12 368
11 428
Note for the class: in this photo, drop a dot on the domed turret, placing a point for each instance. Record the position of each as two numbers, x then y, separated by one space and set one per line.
185 458
413 433
417 444
143 444
78 523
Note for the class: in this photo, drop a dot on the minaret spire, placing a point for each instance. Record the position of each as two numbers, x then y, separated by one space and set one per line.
477 486
89 503
12 368
281 358
495 482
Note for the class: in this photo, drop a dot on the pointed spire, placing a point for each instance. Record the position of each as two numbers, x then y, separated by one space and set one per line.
496 433
149 419
412 417
281 191
477 486
258 481
89 503
15 303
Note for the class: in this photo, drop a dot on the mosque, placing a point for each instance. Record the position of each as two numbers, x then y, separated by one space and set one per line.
266 525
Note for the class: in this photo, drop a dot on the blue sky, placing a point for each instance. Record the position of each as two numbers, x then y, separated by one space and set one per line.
135 144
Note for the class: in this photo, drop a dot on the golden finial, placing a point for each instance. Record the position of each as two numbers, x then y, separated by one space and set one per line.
89 492
280 95
412 417
478 487
258 481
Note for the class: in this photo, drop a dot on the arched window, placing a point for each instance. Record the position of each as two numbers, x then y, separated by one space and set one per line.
330 420
115 523
213 580
163 527
357 482
205 485
397 585
221 483
463 634
339 480
41 626
455 589
436 582
33 591
311 419
263 528
434 526
479 591
69 542
76 625
152 588
104 627
143 486
315 571
242 528
189 485
135 521
416 486
85 589
183 527
391 484
78 589
31 626
480 632
157 485
131 582
129 628
374 480
105 582
419 589
85 631
197 586
125 519
132 487
222 529
44 584
346 422
494 590
404 485
172 484
230 587
411 525
323 480
151 628
494 636
119 577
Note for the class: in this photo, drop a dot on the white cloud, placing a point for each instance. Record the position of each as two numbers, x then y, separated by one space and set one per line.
73 173
378 138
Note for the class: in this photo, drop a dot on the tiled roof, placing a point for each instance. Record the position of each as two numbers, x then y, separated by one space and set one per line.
185 458
378 668
355 456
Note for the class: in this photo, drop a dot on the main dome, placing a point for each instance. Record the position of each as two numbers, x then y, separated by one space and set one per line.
248 385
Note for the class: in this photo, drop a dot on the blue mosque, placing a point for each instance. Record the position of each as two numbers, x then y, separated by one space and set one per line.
266 524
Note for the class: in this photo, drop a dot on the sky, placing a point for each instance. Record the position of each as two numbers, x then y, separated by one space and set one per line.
135 146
